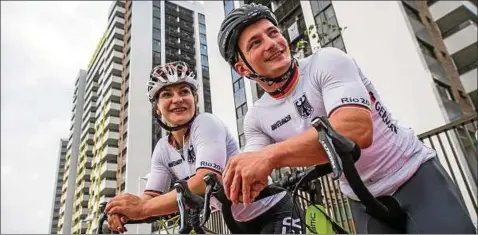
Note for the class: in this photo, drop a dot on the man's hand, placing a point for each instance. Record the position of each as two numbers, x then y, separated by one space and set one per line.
246 172
128 205
116 223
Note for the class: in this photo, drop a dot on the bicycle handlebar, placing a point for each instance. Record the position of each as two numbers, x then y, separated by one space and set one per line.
194 202
342 154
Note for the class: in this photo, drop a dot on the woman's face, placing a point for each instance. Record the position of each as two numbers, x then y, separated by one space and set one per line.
176 104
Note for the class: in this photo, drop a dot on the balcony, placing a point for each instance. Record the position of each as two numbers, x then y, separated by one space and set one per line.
436 69
88 129
453 110
113 81
118 23
116 10
113 94
108 170
418 28
108 187
461 36
285 9
448 14
466 59
112 123
109 153
441 9
114 68
468 80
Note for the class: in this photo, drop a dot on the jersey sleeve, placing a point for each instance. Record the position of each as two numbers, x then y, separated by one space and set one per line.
159 179
209 137
338 78
256 139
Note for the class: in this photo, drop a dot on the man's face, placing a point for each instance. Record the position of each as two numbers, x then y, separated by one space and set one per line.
265 49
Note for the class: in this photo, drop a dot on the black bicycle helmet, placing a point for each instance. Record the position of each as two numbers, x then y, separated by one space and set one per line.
231 29
235 22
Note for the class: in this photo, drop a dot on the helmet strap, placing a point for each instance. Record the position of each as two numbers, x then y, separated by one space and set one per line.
173 128
287 75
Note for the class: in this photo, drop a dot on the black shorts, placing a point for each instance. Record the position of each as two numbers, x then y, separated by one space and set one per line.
277 220
431 201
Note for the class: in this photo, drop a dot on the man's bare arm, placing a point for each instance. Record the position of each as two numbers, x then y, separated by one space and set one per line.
305 150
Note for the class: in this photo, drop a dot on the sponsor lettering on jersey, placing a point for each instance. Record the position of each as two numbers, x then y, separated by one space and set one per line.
175 163
352 100
211 165
385 117
281 122
303 106
383 113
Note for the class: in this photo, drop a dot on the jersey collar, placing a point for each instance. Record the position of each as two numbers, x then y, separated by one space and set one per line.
288 86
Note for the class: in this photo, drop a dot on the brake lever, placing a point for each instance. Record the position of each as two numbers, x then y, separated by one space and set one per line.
182 207
325 139
210 181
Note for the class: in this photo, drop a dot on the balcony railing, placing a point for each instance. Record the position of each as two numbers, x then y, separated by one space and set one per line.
458 28
457 147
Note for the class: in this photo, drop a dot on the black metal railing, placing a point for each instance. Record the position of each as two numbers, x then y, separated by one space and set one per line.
457 149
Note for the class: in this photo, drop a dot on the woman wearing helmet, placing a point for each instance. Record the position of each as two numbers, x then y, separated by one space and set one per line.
196 145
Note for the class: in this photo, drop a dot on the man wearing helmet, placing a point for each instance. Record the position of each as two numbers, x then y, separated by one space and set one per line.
329 83
197 144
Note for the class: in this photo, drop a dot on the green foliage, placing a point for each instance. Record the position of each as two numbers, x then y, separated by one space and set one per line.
325 33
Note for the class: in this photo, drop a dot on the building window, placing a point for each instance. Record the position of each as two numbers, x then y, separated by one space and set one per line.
242 140
444 90
228 6
156 45
156 11
238 85
156 22
202 19
156 34
324 15
202 29
204 59
241 111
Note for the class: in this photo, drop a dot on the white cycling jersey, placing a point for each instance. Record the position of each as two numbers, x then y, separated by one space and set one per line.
210 145
330 79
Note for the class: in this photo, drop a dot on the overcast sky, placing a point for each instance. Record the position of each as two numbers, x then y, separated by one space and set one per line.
43 45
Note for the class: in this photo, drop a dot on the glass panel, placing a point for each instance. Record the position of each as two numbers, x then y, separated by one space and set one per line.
156 34
203 49
202 29
228 6
202 19
156 22
156 45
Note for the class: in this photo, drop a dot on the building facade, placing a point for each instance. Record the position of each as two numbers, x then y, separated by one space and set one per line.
60 170
71 159
96 181
456 23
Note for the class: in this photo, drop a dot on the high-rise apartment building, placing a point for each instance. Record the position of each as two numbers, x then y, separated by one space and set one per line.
155 32
116 119
97 162
60 170
71 159
456 21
